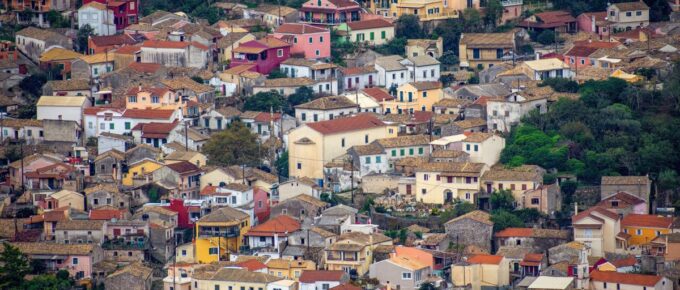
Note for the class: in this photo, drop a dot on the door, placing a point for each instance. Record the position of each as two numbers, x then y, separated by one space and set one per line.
349 83
116 232
408 189
370 80
488 188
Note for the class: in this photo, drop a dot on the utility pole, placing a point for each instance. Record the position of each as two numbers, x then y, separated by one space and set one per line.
186 136
351 179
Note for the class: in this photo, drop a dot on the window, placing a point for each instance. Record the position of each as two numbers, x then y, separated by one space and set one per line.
424 94
155 99
217 287
383 34
402 152
303 116
475 53
410 151
184 252
102 126
467 147
368 160
629 14
366 138
320 39
534 201
317 52
342 142
524 187
132 99
638 232
394 153
406 276
111 126
638 13
499 53
372 35
420 151
299 165
426 177
127 126
74 261
212 251
424 191
311 40
377 159
279 52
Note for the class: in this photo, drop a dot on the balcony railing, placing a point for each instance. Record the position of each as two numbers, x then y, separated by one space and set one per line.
121 244
511 2
215 234
346 258
582 236
328 21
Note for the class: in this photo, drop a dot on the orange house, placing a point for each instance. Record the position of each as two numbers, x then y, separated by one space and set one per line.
438 263
641 229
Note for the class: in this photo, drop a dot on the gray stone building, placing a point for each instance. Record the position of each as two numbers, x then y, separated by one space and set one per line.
300 206
106 194
474 228
135 276
539 239
80 232
639 186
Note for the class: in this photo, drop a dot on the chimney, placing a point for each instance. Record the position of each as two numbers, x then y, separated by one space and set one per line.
575 208
538 56
593 25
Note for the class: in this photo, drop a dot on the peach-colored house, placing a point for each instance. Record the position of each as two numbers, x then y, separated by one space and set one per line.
152 98
77 259
30 164
307 41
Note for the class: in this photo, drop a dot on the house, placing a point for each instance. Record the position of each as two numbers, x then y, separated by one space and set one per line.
600 279
238 80
195 157
140 172
481 271
628 15
438 260
219 118
175 53
538 70
354 252
267 124
551 282
230 41
593 22
324 109
547 198
476 92
330 12
376 31
517 180
579 56
415 96
624 203
265 54
449 106
641 229
441 183
223 278
666 246
539 239
141 98
391 73
106 195
473 228
598 228
402 272
127 122
29 130
80 232
423 68
98 17
32 41
232 194
272 15
408 145
293 187
188 89
63 198
289 86
77 259
182 176
110 141
369 158
126 12
639 186
62 108
431 47
312 145
322 279
289 268
72 87
307 41
482 50
272 232
154 134
220 233
91 67
560 21
426 11
58 61
39 17
109 165
19 168
358 78
300 206
369 99
105 43
483 147
134 276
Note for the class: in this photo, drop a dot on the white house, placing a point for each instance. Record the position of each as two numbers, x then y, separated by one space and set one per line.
296 186
34 41
267 124
484 147
321 279
358 78
364 102
323 74
109 141
219 119
391 72
62 108
323 109
502 114
97 16
232 195
422 68
175 53
121 121
369 158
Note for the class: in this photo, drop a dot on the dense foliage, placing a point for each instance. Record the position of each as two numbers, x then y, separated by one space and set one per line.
659 10
234 146
195 8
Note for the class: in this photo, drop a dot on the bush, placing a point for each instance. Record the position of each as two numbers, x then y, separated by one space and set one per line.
546 37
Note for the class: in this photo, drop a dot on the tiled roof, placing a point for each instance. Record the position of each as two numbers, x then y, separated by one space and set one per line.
282 225
299 28
20 123
477 137
252 265
155 130
625 180
404 141
390 63
631 6
145 67
408 263
470 123
308 199
369 24
70 85
339 125
166 44
520 173
581 51
597 209
37 33
159 210
58 53
156 91
625 262
621 197
288 82
488 40
423 86
80 225
187 83
533 233
311 276
369 149
110 40
224 214
378 94
105 214
346 286
240 275
327 103
555 17
625 278
451 103
485 259
477 215
228 112
183 167
447 153
62 101
423 60
135 269
359 70
45 248
464 168
148 114
344 3
646 220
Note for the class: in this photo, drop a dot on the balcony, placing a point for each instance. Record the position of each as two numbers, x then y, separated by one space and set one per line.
121 244
348 258
224 233
329 21
511 2
588 237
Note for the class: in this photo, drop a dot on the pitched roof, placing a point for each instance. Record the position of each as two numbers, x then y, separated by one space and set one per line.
311 276
546 64
252 265
595 209
155 130
408 263
369 149
462 168
631 6
404 141
423 60
282 225
183 167
224 214
40 34
288 82
105 214
520 173
111 40
339 125
646 220
624 180
581 51
327 103
148 114
69 85
308 199
166 44
62 101
346 286
187 83
488 40
621 197
625 278
369 24
238 275
377 94
44 248
359 70
485 259
136 269
477 215
533 233
470 123
429 85
80 225
145 67
299 28
58 53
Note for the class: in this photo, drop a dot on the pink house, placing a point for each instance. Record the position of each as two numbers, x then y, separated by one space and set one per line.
593 22
262 207
265 54
77 259
330 12
579 56
307 41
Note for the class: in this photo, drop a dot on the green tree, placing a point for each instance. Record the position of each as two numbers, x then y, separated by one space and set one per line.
56 20
493 13
282 164
502 200
265 101
562 85
503 219
234 146
408 26
668 180
472 20
526 49
276 74
396 46
427 286
32 85
82 36
302 95
49 282
546 37
449 30
13 267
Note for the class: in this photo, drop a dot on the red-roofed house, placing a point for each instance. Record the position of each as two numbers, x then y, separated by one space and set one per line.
598 228
175 53
378 94
560 21
125 12
107 214
105 43
121 121
600 280
356 78
262 204
266 54
321 279
643 228
624 203
330 12
155 134
481 269
307 41
253 265
532 264
272 232
579 56
312 145
146 98
540 239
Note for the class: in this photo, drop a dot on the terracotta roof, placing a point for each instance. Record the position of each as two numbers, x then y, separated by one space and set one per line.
135 269
20 123
165 44
485 259
252 265
621 197
339 125
422 86
288 82
58 53
646 220
477 215
45 248
311 276
308 199
111 40
581 51
105 214
223 215
369 24
625 278
369 149
460 168
515 232
533 233
148 114
281 225
404 141
346 286
447 154
187 83
532 260
299 28
555 17
237 275
520 173
625 180
625 262
145 67
378 94
477 137
155 130
470 123
597 209
80 225
344 3
153 90
407 262
359 70
488 40
40 34
183 167
452 103
327 103
631 6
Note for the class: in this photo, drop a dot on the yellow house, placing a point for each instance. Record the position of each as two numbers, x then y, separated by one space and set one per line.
354 251
231 41
426 10
140 170
481 270
414 96
443 182
640 229
289 268
196 158
518 180
485 49
312 145
220 233
232 278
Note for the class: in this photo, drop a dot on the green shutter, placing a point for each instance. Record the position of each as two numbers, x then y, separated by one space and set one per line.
410 151
383 35
420 150
394 152
372 35
111 126
127 125
402 151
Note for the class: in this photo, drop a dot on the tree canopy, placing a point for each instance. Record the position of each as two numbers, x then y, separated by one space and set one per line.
234 146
